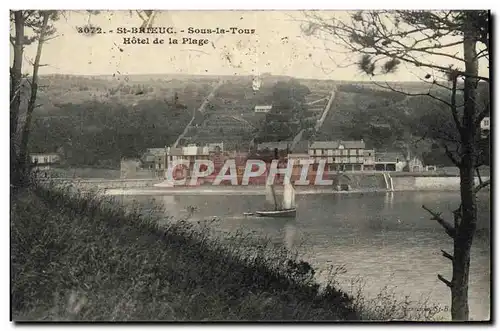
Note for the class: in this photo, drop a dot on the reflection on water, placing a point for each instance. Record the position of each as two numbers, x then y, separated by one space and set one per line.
290 235
387 239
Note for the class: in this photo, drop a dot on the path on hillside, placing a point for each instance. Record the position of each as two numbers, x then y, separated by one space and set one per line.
242 120
316 101
200 109
319 123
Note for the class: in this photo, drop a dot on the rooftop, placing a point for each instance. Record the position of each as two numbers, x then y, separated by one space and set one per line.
348 144
389 157
271 145
156 151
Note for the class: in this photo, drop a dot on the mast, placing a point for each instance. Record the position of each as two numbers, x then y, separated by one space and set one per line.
271 195
274 198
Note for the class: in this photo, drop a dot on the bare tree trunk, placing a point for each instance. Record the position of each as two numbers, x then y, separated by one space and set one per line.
16 71
15 92
467 225
23 153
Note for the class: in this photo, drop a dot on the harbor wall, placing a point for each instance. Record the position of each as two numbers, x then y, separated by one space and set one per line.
356 182
422 183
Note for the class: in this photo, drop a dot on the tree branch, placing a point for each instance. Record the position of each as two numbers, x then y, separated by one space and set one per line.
481 186
369 35
451 157
479 176
453 105
413 94
450 230
447 255
445 281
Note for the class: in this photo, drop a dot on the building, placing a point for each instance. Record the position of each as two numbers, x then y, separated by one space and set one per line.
129 168
192 153
416 165
396 161
389 161
485 127
153 158
263 108
339 155
212 147
274 149
369 159
43 161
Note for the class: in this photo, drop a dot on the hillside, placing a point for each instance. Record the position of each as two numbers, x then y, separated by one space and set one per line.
95 121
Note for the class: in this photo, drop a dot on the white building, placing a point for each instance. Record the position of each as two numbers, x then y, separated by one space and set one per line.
485 124
44 158
263 109
191 153
485 127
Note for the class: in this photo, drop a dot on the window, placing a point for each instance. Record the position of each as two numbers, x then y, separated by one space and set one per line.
379 160
318 152
333 159
46 160
397 160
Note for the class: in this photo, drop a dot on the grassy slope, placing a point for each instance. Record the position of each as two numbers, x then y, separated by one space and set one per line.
79 258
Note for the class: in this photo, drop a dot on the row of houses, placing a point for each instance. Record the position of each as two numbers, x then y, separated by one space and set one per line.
347 156
337 155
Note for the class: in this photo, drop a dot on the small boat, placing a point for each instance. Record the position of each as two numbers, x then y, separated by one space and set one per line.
287 209
277 213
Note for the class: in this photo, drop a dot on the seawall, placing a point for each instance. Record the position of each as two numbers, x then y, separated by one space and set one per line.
407 183
370 182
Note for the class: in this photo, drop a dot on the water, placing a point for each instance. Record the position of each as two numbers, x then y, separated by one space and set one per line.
387 239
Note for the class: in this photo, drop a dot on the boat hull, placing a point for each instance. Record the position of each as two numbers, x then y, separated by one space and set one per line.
277 213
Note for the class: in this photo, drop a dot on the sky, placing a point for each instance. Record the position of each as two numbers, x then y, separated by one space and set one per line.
277 46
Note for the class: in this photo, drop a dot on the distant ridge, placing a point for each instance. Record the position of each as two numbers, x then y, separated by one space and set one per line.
139 77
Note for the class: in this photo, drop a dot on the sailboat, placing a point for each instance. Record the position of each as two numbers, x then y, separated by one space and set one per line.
287 209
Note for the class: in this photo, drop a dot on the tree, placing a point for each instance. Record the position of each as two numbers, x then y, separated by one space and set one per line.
426 39
39 24
15 87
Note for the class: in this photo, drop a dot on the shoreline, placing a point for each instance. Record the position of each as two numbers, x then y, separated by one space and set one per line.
360 185
217 190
